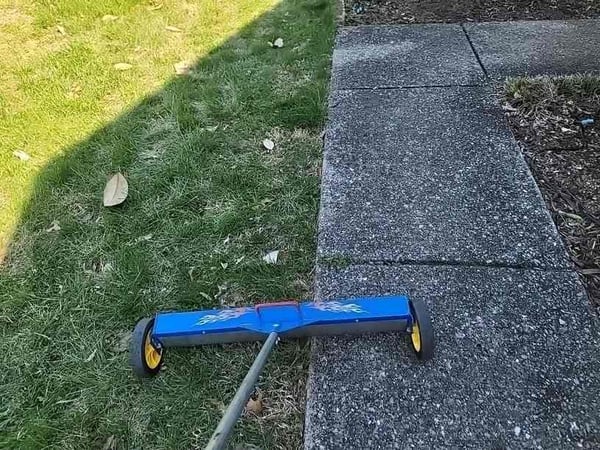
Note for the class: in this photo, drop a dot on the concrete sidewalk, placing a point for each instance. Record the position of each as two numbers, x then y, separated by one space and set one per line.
425 192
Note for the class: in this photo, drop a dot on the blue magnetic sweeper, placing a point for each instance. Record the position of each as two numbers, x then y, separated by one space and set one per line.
268 322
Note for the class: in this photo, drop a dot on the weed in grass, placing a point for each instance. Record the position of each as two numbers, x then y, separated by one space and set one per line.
206 201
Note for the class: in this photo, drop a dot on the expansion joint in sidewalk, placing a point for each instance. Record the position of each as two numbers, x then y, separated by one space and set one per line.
344 262
416 86
474 51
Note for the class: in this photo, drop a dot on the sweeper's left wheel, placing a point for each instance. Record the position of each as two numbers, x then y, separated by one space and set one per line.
421 335
144 357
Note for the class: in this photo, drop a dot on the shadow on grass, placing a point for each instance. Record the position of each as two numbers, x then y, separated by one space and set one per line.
206 202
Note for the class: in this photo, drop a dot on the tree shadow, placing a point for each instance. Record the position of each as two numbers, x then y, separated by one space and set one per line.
206 202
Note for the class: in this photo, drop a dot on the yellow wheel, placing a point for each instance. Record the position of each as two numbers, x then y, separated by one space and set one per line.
421 335
415 337
144 357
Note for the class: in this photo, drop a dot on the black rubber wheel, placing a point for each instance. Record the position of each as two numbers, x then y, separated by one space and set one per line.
422 332
144 358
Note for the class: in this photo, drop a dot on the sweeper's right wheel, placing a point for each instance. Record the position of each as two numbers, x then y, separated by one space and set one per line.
421 335
145 358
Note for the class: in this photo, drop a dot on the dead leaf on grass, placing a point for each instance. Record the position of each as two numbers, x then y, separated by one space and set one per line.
173 29
255 406
54 226
277 43
116 190
21 155
182 67
74 91
109 18
268 144
61 30
271 257
122 344
122 66
111 443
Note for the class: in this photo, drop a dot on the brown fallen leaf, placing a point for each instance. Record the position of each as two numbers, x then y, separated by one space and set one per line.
173 29
182 67
255 406
122 66
116 190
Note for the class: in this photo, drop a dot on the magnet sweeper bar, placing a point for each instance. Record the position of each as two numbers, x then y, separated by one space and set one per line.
268 322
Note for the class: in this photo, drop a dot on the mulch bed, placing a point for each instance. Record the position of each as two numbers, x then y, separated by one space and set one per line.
359 12
545 116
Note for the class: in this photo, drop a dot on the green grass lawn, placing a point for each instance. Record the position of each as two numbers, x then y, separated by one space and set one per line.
206 202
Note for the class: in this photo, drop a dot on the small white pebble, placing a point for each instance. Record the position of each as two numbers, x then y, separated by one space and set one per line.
517 431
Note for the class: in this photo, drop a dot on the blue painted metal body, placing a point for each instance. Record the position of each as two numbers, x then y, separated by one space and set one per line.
288 319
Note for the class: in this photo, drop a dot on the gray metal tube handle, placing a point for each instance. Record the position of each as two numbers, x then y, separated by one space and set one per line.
235 408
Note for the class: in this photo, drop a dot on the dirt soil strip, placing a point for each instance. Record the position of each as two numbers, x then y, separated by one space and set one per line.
545 116
360 12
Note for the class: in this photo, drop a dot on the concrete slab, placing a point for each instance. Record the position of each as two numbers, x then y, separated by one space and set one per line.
516 365
404 55
430 175
536 48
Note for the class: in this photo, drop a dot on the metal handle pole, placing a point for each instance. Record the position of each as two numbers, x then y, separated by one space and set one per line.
235 408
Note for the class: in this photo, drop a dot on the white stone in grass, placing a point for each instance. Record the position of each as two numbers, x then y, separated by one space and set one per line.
271 257
268 144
